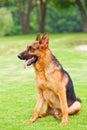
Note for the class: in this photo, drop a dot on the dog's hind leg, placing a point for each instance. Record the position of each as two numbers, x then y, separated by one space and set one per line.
46 110
74 108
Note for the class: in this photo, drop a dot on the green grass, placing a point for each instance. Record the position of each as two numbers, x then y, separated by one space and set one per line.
17 90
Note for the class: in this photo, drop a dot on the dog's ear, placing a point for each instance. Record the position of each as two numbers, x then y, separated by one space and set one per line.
45 38
38 38
44 41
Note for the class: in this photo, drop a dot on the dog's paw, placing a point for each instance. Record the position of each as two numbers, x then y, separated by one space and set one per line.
43 115
29 121
63 122
56 116
40 116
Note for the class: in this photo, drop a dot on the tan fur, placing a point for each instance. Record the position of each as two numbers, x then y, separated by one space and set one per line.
51 84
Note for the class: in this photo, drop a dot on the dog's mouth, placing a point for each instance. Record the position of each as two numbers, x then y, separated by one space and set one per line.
30 61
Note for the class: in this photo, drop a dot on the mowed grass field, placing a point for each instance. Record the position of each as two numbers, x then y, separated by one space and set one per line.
17 91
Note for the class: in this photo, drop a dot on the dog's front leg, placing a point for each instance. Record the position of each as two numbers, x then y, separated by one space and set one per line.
63 102
37 109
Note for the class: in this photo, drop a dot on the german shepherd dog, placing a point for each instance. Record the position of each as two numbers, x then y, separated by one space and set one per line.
53 83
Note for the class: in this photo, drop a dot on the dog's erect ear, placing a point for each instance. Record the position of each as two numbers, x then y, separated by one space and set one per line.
38 38
45 38
44 41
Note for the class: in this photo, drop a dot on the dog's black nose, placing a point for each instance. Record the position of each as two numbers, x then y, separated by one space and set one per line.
19 56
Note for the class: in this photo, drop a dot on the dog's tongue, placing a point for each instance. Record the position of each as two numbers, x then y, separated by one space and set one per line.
27 62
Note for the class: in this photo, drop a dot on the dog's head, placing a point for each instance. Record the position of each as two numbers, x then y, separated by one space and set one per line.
34 51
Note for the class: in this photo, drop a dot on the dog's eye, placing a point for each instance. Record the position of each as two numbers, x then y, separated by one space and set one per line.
30 48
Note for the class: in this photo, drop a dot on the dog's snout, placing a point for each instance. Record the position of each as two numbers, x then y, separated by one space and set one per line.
19 56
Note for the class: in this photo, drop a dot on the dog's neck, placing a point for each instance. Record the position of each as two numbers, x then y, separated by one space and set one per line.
44 61
47 62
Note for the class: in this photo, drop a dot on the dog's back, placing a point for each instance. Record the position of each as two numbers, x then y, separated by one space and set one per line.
70 93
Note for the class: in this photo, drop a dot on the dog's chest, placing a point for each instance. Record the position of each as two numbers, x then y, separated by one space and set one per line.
52 99
46 79
45 83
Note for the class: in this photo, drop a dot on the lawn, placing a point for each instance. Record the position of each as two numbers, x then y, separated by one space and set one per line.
17 90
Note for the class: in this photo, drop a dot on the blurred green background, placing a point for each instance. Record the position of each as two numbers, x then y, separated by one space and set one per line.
31 16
